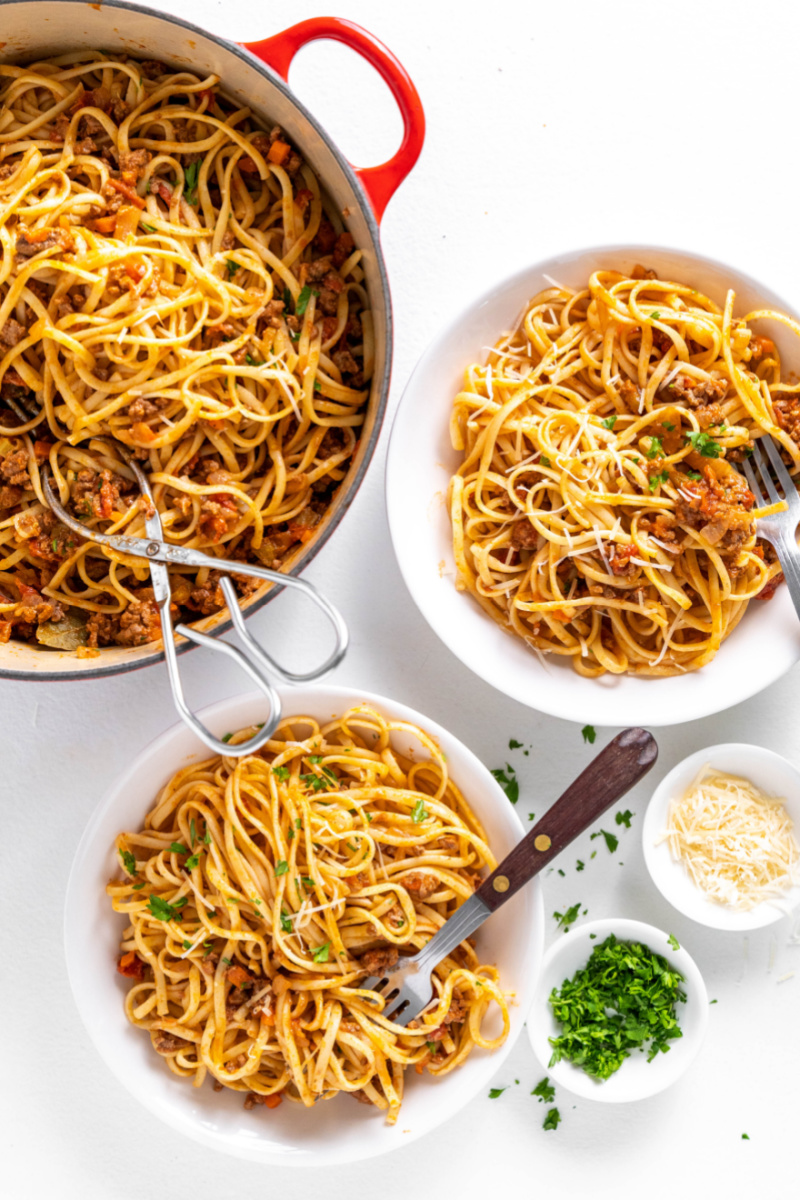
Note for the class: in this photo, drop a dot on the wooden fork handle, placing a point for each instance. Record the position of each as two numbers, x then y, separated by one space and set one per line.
614 771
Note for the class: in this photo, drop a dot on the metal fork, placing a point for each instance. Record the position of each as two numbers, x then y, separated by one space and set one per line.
779 529
407 989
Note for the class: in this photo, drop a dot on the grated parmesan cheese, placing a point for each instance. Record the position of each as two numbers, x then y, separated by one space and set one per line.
735 842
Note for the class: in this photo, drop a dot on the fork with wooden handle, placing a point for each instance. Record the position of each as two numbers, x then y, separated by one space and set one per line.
407 988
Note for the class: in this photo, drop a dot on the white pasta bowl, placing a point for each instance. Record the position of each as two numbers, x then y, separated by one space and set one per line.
338 1130
421 461
636 1078
774 775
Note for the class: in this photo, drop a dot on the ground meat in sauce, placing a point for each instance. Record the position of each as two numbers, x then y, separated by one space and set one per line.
420 885
14 469
620 561
629 393
787 414
9 496
12 333
34 608
32 242
697 393
142 409
132 165
382 958
136 625
97 494
168 1043
524 536
718 505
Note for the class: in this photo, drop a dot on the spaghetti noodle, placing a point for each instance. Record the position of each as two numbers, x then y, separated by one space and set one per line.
262 890
597 513
173 279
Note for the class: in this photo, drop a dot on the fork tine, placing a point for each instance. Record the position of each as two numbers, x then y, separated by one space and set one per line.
781 470
752 483
763 470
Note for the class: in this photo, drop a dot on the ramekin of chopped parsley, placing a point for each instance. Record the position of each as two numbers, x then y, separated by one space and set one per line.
625 998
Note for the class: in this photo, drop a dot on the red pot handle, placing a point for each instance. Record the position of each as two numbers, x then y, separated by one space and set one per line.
380 183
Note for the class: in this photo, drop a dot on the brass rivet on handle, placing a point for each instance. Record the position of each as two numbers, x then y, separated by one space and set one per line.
501 884
542 842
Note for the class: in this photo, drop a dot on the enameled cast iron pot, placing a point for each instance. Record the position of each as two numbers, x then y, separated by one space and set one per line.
255 73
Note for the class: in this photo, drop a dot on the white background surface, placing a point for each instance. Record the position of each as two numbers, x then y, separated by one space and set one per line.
549 126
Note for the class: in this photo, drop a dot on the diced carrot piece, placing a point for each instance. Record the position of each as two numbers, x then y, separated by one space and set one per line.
238 975
127 222
127 192
5 634
103 224
142 434
273 1101
279 152
42 450
131 966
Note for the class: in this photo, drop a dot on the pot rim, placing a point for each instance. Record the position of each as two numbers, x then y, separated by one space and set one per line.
183 645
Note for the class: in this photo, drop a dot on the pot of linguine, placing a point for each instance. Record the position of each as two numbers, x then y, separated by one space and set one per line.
192 272
223 914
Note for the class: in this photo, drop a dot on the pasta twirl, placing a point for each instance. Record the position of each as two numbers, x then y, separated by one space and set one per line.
598 512
263 890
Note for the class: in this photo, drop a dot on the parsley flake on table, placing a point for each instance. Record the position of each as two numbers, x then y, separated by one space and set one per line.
495 1092
579 865
745 1137
589 734
568 918
624 818
544 1090
551 1119
624 999
611 841
508 781
513 744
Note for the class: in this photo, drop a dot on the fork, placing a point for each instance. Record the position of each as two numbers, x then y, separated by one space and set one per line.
407 988
780 528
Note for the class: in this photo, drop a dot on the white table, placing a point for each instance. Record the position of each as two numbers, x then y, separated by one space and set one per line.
549 127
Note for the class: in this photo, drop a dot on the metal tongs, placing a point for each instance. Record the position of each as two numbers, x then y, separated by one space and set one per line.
253 659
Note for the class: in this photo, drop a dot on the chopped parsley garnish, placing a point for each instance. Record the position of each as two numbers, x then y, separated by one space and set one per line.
545 461
287 298
281 773
693 475
162 910
655 480
192 832
420 812
137 886
187 945
281 867
611 841
544 1090
655 315
321 953
431 1046
302 300
624 998
495 1092
508 781
589 733
192 862
745 1137
673 942
128 861
207 837
227 737
232 266
667 425
179 848
567 918
609 422
704 444
191 175
227 961
253 362
552 1119
309 883
656 448
624 818
148 228
315 782
286 921
513 744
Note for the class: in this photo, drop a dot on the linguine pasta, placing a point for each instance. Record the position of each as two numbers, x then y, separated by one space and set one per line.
598 511
263 890
172 278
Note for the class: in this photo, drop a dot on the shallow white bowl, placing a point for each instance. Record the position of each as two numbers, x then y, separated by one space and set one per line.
636 1078
335 1131
421 461
768 771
